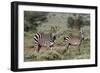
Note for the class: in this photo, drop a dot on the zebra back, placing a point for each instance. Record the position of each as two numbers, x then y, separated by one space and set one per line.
43 39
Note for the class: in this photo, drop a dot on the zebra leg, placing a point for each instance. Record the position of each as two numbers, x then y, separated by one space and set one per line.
68 50
67 47
51 48
79 49
38 48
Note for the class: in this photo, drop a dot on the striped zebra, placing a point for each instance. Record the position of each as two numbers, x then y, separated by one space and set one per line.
73 40
44 40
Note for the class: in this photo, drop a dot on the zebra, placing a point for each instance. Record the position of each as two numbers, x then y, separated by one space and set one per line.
72 40
44 40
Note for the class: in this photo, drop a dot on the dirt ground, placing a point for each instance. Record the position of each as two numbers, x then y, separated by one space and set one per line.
30 50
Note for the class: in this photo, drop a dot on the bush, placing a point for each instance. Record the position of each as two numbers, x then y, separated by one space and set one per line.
28 39
43 21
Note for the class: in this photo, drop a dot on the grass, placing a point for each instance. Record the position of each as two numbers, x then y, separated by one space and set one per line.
59 50
59 53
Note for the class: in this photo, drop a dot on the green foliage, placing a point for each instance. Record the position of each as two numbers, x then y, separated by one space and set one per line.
60 23
57 53
70 22
77 21
33 19
28 39
59 40
49 55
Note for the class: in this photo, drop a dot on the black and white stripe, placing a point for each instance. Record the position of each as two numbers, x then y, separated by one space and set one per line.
66 39
43 40
72 40
36 38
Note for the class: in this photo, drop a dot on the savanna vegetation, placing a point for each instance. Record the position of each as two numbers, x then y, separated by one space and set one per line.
63 24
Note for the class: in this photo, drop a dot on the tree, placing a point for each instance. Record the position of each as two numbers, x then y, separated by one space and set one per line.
70 22
77 21
33 19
